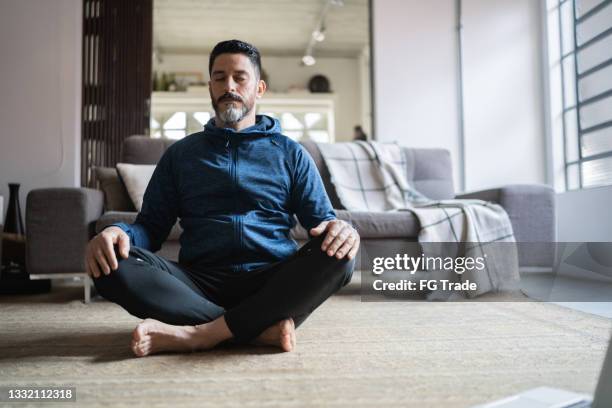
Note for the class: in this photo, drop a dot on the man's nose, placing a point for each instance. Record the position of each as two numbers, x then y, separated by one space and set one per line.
230 85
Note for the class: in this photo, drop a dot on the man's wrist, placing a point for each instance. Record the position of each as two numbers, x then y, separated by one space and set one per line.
123 227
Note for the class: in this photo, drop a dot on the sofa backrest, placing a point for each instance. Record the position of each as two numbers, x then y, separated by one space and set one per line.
138 149
429 170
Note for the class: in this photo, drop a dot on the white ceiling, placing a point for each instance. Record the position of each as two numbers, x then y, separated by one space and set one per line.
276 27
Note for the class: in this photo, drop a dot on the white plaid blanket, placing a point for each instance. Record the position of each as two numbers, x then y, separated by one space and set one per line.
370 176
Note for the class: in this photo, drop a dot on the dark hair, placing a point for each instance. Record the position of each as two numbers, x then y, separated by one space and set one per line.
236 47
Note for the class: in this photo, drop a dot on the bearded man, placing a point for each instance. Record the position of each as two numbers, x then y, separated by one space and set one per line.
235 186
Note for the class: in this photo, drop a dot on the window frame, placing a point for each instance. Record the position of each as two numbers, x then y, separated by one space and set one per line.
577 77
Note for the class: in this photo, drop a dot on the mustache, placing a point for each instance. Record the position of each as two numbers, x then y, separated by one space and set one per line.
230 97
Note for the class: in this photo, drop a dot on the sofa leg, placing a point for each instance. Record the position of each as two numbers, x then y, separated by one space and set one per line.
87 288
72 276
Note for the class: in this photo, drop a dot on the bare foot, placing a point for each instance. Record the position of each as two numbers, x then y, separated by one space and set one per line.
282 335
152 336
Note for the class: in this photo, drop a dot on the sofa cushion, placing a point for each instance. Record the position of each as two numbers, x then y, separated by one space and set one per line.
139 149
112 217
135 177
116 197
372 225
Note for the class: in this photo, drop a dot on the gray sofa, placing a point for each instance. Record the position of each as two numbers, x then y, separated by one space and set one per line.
60 221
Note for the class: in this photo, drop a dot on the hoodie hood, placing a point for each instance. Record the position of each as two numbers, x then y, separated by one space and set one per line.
264 126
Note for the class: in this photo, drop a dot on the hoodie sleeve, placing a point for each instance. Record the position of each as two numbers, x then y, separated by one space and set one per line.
159 208
309 200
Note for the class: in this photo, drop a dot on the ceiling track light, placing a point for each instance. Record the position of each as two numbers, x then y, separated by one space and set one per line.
308 60
318 34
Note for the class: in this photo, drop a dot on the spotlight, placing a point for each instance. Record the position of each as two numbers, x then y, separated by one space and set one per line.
308 60
318 35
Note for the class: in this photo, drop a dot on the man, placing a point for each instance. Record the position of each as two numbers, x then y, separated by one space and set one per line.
235 187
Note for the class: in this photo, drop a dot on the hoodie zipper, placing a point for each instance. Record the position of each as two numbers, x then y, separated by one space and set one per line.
236 218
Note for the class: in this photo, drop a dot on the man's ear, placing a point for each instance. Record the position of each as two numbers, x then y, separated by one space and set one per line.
261 88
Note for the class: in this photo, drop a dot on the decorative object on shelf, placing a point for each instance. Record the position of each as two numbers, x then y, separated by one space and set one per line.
155 85
14 278
177 81
163 82
185 79
319 84
172 85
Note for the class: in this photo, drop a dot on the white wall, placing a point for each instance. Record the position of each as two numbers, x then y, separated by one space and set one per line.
285 72
415 75
40 79
503 94
416 84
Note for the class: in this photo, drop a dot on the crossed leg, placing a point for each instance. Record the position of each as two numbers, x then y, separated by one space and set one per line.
179 315
153 336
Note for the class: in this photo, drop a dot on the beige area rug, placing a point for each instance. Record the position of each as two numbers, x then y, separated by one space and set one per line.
349 354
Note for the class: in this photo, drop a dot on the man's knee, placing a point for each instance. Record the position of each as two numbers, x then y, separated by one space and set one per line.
118 281
345 270
343 267
340 270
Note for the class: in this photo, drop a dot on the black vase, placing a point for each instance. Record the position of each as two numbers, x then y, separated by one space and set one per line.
13 223
13 239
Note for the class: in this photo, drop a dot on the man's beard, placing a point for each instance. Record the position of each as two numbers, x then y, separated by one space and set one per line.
232 114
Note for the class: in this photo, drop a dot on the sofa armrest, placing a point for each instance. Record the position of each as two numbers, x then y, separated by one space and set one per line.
531 208
59 224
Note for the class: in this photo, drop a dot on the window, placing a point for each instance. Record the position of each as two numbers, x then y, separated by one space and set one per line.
175 115
303 125
177 125
585 44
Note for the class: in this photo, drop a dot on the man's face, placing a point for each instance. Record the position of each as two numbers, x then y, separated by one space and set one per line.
234 87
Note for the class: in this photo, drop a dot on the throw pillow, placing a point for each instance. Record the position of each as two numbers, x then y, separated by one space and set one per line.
116 197
136 177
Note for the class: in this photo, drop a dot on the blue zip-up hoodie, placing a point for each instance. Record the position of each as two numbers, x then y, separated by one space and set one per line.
235 194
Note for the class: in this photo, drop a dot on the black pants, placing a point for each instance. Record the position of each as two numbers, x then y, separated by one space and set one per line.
149 286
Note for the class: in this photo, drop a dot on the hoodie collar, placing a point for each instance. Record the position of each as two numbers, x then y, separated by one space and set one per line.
264 126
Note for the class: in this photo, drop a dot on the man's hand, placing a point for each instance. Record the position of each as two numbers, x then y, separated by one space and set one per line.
100 253
341 239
